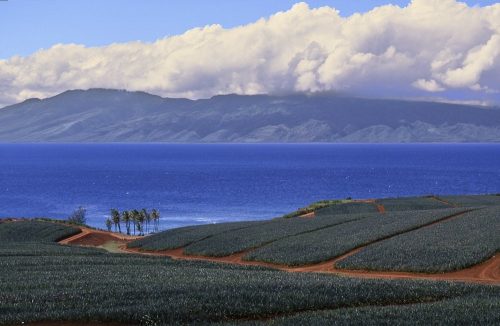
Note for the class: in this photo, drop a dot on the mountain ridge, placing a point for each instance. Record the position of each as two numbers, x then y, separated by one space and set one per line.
106 115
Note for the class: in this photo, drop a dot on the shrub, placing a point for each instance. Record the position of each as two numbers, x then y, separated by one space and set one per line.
78 216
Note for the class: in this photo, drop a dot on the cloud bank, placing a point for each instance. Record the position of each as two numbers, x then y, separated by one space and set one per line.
429 48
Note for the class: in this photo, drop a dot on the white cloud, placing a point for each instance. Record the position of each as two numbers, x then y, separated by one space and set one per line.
428 46
428 85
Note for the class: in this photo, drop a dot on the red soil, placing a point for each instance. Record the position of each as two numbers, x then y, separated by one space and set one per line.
443 201
95 238
308 215
380 208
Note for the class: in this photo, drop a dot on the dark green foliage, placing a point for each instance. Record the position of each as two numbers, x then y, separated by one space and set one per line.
472 200
35 231
481 309
44 281
347 208
455 244
44 249
238 240
131 289
328 243
181 237
411 203
78 216
313 207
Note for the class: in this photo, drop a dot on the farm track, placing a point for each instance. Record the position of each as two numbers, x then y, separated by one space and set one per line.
93 238
487 272
443 201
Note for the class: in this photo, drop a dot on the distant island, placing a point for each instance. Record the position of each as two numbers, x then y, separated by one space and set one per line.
105 115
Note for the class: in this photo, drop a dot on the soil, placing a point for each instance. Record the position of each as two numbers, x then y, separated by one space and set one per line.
308 215
95 238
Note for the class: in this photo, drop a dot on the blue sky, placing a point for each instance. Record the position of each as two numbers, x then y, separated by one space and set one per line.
28 25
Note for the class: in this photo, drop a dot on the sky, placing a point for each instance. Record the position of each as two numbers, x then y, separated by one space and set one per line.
47 46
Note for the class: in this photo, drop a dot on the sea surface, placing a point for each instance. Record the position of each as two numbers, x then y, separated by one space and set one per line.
196 184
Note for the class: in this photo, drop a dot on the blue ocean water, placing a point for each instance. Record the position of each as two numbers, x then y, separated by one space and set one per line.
195 184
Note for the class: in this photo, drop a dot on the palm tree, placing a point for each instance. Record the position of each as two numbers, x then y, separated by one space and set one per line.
155 215
126 217
139 228
115 217
147 218
141 217
135 218
109 223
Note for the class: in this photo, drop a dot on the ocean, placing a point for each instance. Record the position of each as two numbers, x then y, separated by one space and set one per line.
208 183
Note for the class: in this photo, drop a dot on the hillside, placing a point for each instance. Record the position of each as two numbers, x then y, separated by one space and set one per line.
369 262
100 115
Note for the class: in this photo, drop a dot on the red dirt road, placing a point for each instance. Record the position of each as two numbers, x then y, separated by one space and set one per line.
94 238
487 272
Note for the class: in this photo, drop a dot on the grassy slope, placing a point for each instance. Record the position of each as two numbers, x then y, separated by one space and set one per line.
235 241
44 281
411 204
455 244
131 289
184 236
329 243
35 231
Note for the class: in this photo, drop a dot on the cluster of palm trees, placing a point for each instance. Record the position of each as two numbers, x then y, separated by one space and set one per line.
134 220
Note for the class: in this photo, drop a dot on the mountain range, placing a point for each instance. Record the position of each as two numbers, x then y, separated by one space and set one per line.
105 115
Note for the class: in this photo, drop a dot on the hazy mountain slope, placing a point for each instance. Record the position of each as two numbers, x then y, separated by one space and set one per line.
100 115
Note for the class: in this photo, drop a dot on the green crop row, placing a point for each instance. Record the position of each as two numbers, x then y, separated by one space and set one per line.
347 208
328 243
411 203
455 244
26 248
315 206
35 231
133 289
227 243
181 237
472 200
469 310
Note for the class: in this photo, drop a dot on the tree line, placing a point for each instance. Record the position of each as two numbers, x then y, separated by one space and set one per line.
134 220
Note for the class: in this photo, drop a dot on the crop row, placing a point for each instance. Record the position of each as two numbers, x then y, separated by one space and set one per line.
329 243
347 208
228 243
26 248
454 244
35 231
411 203
180 237
134 289
470 310
472 200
